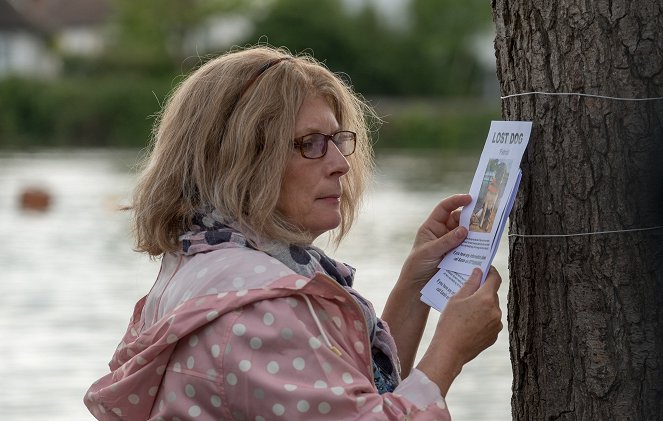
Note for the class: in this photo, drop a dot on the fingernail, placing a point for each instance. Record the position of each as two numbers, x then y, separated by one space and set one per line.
461 232
476 272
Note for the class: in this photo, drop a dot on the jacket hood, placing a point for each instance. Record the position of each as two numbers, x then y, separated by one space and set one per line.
158 323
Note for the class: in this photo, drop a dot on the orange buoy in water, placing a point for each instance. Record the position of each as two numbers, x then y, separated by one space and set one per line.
35 199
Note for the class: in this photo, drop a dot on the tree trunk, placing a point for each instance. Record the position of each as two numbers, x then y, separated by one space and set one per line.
585 313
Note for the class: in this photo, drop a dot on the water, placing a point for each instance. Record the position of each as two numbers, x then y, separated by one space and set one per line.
70 278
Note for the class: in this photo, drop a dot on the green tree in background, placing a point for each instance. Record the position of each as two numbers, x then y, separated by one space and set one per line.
149 45
441 36
151 35
429 56
377 64
360 45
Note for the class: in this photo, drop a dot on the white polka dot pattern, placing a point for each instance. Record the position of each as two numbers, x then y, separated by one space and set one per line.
216 350
245 365
303 406
255 343
239 329
278 409
272 367
255 355
324 408
299 363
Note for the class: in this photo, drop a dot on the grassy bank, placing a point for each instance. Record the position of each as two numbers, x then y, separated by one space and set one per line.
425 124
79 112
118 111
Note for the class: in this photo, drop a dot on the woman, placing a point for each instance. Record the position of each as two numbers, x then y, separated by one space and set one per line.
256 154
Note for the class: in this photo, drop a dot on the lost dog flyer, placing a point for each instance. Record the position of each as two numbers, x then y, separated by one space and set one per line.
493 190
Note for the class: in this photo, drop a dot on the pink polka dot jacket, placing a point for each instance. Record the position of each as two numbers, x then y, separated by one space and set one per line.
231 333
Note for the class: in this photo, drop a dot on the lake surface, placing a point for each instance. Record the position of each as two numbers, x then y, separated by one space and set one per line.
70 279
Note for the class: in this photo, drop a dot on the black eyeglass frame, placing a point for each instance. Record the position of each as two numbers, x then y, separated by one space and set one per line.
299 143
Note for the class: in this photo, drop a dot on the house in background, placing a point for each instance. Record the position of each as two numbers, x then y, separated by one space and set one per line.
76 26
23 46
35 34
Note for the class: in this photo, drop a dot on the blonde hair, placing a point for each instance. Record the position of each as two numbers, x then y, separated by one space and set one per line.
214 146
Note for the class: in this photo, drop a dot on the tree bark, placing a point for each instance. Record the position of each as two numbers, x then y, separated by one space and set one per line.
585 313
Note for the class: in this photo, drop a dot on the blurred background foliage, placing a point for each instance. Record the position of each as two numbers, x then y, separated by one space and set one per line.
421 67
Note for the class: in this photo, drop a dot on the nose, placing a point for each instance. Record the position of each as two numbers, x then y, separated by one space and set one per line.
336 163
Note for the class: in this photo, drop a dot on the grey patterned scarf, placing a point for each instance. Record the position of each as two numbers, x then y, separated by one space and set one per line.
306 261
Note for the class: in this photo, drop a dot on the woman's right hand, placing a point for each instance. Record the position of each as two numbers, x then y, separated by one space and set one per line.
469 324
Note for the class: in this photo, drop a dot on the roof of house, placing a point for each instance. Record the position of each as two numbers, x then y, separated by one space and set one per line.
10 19
53 15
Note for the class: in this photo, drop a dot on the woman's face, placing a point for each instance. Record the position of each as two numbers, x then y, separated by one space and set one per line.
311 189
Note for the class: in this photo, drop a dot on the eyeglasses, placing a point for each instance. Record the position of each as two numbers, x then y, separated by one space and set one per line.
314 145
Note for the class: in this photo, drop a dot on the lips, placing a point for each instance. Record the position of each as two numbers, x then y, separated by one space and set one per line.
332 196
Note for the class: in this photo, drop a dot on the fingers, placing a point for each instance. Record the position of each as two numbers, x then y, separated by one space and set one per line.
439 218
446 206
448 242
488 293
471 321
471 285
493 281
454 220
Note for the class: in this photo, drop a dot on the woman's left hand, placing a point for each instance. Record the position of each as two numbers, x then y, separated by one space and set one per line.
438 235
404 311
